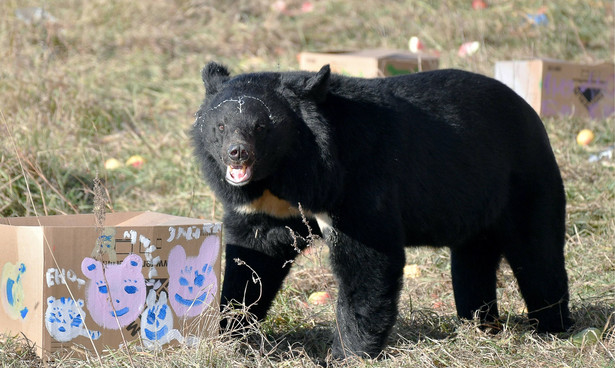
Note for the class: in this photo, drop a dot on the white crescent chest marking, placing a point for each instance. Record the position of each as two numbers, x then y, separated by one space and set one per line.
271 205
324 221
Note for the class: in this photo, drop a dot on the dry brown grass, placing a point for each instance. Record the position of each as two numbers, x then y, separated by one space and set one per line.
117 78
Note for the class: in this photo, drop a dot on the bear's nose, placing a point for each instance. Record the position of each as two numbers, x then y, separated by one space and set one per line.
238 153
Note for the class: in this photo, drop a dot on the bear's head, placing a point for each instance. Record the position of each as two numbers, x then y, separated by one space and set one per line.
251 124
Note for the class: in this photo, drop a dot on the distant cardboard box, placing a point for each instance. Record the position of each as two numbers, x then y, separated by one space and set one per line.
554 87
368 63
59 275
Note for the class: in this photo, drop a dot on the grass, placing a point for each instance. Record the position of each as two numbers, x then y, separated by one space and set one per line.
111 79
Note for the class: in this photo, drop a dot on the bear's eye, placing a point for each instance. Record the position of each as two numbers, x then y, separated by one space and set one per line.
221 127
260 128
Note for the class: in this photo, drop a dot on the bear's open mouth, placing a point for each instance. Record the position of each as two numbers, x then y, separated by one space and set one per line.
238 175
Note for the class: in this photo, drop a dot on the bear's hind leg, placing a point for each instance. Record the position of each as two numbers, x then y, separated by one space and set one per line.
534 248
538 264
543 284
473 266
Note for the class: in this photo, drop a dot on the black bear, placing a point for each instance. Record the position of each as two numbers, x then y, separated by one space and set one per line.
440 158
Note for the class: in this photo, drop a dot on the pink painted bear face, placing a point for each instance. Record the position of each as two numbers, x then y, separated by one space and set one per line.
192 281
125 288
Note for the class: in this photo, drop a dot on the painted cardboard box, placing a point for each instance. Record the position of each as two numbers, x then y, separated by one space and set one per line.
59 274
368 63
554 87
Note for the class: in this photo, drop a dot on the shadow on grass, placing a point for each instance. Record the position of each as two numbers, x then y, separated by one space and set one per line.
314 343
423 324
311 344
599 314
426 324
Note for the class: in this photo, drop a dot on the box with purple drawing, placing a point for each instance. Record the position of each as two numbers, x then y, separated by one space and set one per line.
555 87
142 278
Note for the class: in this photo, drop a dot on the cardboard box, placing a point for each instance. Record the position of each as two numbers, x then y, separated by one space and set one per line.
556 87
368 63
58 274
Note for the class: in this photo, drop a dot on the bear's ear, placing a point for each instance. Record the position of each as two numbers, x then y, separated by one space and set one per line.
317 85
214 75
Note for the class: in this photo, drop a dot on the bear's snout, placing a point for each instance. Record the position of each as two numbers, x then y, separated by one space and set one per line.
239 153
239 160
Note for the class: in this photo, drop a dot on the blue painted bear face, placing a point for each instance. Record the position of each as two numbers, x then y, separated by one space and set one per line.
192 281
115 293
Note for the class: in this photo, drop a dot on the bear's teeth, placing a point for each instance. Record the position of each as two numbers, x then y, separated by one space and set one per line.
238 174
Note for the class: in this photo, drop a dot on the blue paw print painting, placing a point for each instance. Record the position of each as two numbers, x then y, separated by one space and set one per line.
64 319
157 322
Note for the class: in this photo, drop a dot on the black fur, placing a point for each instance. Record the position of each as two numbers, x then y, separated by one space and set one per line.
442 158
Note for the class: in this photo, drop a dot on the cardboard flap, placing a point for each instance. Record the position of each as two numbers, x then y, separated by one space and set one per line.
138 218
56 220
68 220
155 218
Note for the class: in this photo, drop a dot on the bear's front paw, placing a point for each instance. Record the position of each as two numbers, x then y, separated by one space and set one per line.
552 323
355 347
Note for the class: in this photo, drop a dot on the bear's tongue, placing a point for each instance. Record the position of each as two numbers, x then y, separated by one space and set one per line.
238 174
